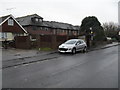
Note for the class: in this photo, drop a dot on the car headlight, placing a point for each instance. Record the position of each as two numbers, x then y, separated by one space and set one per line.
69 48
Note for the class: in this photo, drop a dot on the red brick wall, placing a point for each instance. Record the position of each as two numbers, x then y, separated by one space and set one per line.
15 29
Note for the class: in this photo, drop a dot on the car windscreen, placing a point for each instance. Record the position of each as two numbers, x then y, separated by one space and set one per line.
70 42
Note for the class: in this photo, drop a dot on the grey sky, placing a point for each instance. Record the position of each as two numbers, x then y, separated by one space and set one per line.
67 11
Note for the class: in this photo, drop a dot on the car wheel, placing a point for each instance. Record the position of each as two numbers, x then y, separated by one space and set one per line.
85 49
73 51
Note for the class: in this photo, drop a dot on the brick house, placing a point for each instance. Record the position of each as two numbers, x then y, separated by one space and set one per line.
35 25
9 28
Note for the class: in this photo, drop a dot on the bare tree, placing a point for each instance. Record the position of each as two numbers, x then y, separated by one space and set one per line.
111 29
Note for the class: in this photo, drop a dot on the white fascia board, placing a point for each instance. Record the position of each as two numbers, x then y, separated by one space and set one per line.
15 21
19 24
4 20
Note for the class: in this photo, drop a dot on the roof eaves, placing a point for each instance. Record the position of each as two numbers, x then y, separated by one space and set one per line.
19 24
5 20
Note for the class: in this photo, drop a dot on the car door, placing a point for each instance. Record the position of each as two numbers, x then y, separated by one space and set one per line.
82 45
78 46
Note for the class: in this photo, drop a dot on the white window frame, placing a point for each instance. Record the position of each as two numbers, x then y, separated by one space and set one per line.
10 22
4 35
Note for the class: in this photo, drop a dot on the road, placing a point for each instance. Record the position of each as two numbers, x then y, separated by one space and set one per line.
95 69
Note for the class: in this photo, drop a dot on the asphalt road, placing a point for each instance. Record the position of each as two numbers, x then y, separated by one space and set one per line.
96 69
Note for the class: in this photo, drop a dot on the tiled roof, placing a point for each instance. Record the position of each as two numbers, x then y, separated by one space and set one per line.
3 18
26 20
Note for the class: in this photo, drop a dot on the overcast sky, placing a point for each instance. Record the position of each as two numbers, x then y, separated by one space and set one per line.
67 11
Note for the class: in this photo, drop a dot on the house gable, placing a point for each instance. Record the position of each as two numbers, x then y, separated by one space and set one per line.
9 24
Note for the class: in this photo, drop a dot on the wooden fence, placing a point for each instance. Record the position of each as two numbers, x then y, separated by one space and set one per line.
41 41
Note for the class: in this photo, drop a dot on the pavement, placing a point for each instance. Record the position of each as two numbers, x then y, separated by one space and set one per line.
12 54
16 57
105 46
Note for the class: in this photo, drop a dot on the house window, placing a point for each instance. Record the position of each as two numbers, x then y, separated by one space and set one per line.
4 35
36 19
46 29
34 28
61 31
10 36
69 32
64 31
58 31
41 28
40 20
54 31
10 22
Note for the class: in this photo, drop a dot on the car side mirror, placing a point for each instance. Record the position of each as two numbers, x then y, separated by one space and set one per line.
77 44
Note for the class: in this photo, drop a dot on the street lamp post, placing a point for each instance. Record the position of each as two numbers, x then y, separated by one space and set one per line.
89 37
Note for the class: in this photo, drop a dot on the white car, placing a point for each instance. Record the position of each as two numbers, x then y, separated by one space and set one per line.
72 46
